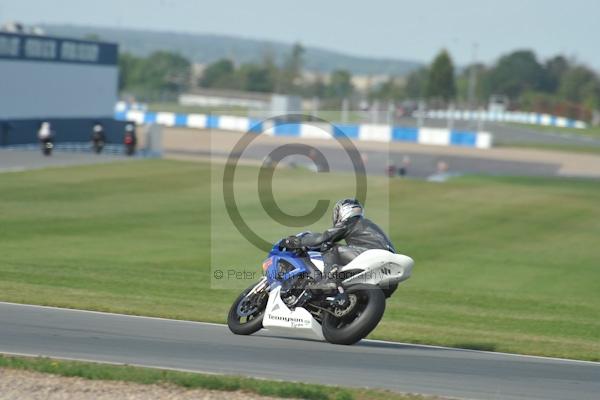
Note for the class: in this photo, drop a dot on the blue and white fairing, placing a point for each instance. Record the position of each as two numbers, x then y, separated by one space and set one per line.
275 273
278 317
273 270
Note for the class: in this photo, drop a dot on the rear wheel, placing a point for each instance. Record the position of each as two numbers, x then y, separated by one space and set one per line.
350 325
246 314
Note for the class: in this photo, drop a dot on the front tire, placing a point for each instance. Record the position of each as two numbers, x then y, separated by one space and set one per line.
360 320
246 325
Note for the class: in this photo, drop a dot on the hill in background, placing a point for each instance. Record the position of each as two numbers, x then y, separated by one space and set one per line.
206 48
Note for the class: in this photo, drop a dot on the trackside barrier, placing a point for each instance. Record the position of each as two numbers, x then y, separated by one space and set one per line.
507 116
370 132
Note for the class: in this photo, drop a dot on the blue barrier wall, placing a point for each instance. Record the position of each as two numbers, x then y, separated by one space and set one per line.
294 128
14 132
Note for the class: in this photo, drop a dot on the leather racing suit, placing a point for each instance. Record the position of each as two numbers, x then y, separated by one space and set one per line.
361 234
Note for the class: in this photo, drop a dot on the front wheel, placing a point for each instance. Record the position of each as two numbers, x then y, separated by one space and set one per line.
350 325
246 313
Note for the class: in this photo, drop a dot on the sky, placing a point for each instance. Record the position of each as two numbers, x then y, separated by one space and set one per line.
414 30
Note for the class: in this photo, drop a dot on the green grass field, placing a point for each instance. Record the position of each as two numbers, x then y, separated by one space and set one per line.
178 108
328 115
501 264
568 148
592 131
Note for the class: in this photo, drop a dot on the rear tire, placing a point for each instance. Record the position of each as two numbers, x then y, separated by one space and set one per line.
251 325
360 321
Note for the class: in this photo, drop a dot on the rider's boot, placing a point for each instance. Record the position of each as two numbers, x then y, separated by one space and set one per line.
340 299
328 284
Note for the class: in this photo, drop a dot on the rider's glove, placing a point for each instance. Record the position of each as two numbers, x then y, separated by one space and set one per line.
325 246
292 242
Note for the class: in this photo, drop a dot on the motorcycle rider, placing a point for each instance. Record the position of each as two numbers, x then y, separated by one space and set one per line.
46 137
349 224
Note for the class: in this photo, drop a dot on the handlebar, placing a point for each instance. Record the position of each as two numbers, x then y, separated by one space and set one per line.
321 248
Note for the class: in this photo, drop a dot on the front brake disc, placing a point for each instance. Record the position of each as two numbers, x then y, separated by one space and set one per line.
340 312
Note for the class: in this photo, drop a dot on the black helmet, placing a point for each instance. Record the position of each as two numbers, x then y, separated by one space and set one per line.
345 209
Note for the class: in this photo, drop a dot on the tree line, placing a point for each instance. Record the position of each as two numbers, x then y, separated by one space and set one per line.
164 75
557 85
161 76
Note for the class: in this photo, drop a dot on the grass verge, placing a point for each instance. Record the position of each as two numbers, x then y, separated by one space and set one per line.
592 131
182 109
331 116
569 148
189 380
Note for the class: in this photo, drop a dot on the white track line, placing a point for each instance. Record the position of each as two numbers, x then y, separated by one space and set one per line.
111 313
427 346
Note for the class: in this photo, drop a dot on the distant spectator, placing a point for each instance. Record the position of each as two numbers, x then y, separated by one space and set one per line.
442 167
403 170
391 170
441 174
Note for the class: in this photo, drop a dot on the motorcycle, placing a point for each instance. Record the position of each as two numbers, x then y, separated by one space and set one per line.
98 138
97 144
47 146
284 303
129 145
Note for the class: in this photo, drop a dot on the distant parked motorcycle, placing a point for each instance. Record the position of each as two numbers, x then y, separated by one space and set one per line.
47 146
98 138
283 302
130 140
46 138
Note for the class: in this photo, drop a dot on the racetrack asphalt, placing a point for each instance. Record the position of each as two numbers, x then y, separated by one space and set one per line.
423 160
211 348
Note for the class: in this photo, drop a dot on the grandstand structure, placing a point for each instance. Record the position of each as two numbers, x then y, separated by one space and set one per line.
70 83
